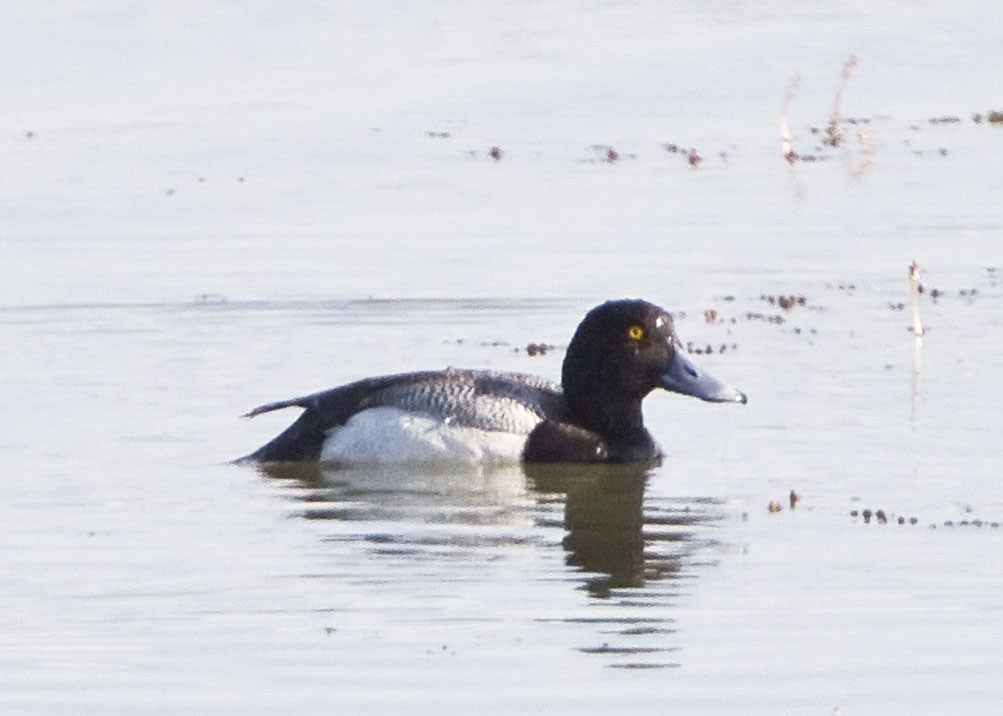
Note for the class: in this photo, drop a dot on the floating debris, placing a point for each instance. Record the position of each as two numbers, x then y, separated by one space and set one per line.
708 349
882 518
794 156
606 154
538 349
775 319
689 154
211 299
785 302
978 524
848 287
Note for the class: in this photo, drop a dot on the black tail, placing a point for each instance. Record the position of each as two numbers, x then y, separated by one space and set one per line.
300 442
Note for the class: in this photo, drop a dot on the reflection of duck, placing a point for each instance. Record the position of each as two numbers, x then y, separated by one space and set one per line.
621 351
608 530
603 516
426 495
625 545
617 544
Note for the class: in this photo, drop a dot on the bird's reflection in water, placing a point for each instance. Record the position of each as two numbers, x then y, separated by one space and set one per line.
613 532
426 495
604 519
631 554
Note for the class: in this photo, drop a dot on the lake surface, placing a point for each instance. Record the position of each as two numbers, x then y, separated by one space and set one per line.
194 222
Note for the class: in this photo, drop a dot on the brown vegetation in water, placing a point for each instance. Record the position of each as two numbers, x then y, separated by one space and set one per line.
833 137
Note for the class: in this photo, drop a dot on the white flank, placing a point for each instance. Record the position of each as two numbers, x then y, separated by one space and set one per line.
392 435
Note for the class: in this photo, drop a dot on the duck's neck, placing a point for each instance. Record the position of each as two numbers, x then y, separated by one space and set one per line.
619 422
608 417
599 401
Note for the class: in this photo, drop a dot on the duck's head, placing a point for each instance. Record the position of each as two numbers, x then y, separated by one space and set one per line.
624 349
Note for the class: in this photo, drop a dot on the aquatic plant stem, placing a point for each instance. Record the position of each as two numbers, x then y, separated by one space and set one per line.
832 135
785 132
917 323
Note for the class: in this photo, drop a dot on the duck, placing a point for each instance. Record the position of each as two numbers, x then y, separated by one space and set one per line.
621 351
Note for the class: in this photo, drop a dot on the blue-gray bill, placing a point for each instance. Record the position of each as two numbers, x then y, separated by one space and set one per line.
684 376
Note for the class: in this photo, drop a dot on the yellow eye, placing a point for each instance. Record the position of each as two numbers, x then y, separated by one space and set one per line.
635 333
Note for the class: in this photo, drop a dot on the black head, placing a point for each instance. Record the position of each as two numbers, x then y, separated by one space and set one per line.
622 351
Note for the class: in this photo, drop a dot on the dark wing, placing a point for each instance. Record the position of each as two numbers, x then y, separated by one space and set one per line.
302 441
490 400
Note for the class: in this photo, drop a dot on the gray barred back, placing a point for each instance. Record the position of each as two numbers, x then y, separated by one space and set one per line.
489 400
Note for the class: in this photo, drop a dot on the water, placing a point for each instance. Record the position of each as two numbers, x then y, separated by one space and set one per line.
232 218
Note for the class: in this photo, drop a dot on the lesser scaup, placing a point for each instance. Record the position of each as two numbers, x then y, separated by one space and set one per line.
621 351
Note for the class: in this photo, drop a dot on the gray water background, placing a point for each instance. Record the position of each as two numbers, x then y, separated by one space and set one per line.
209 206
